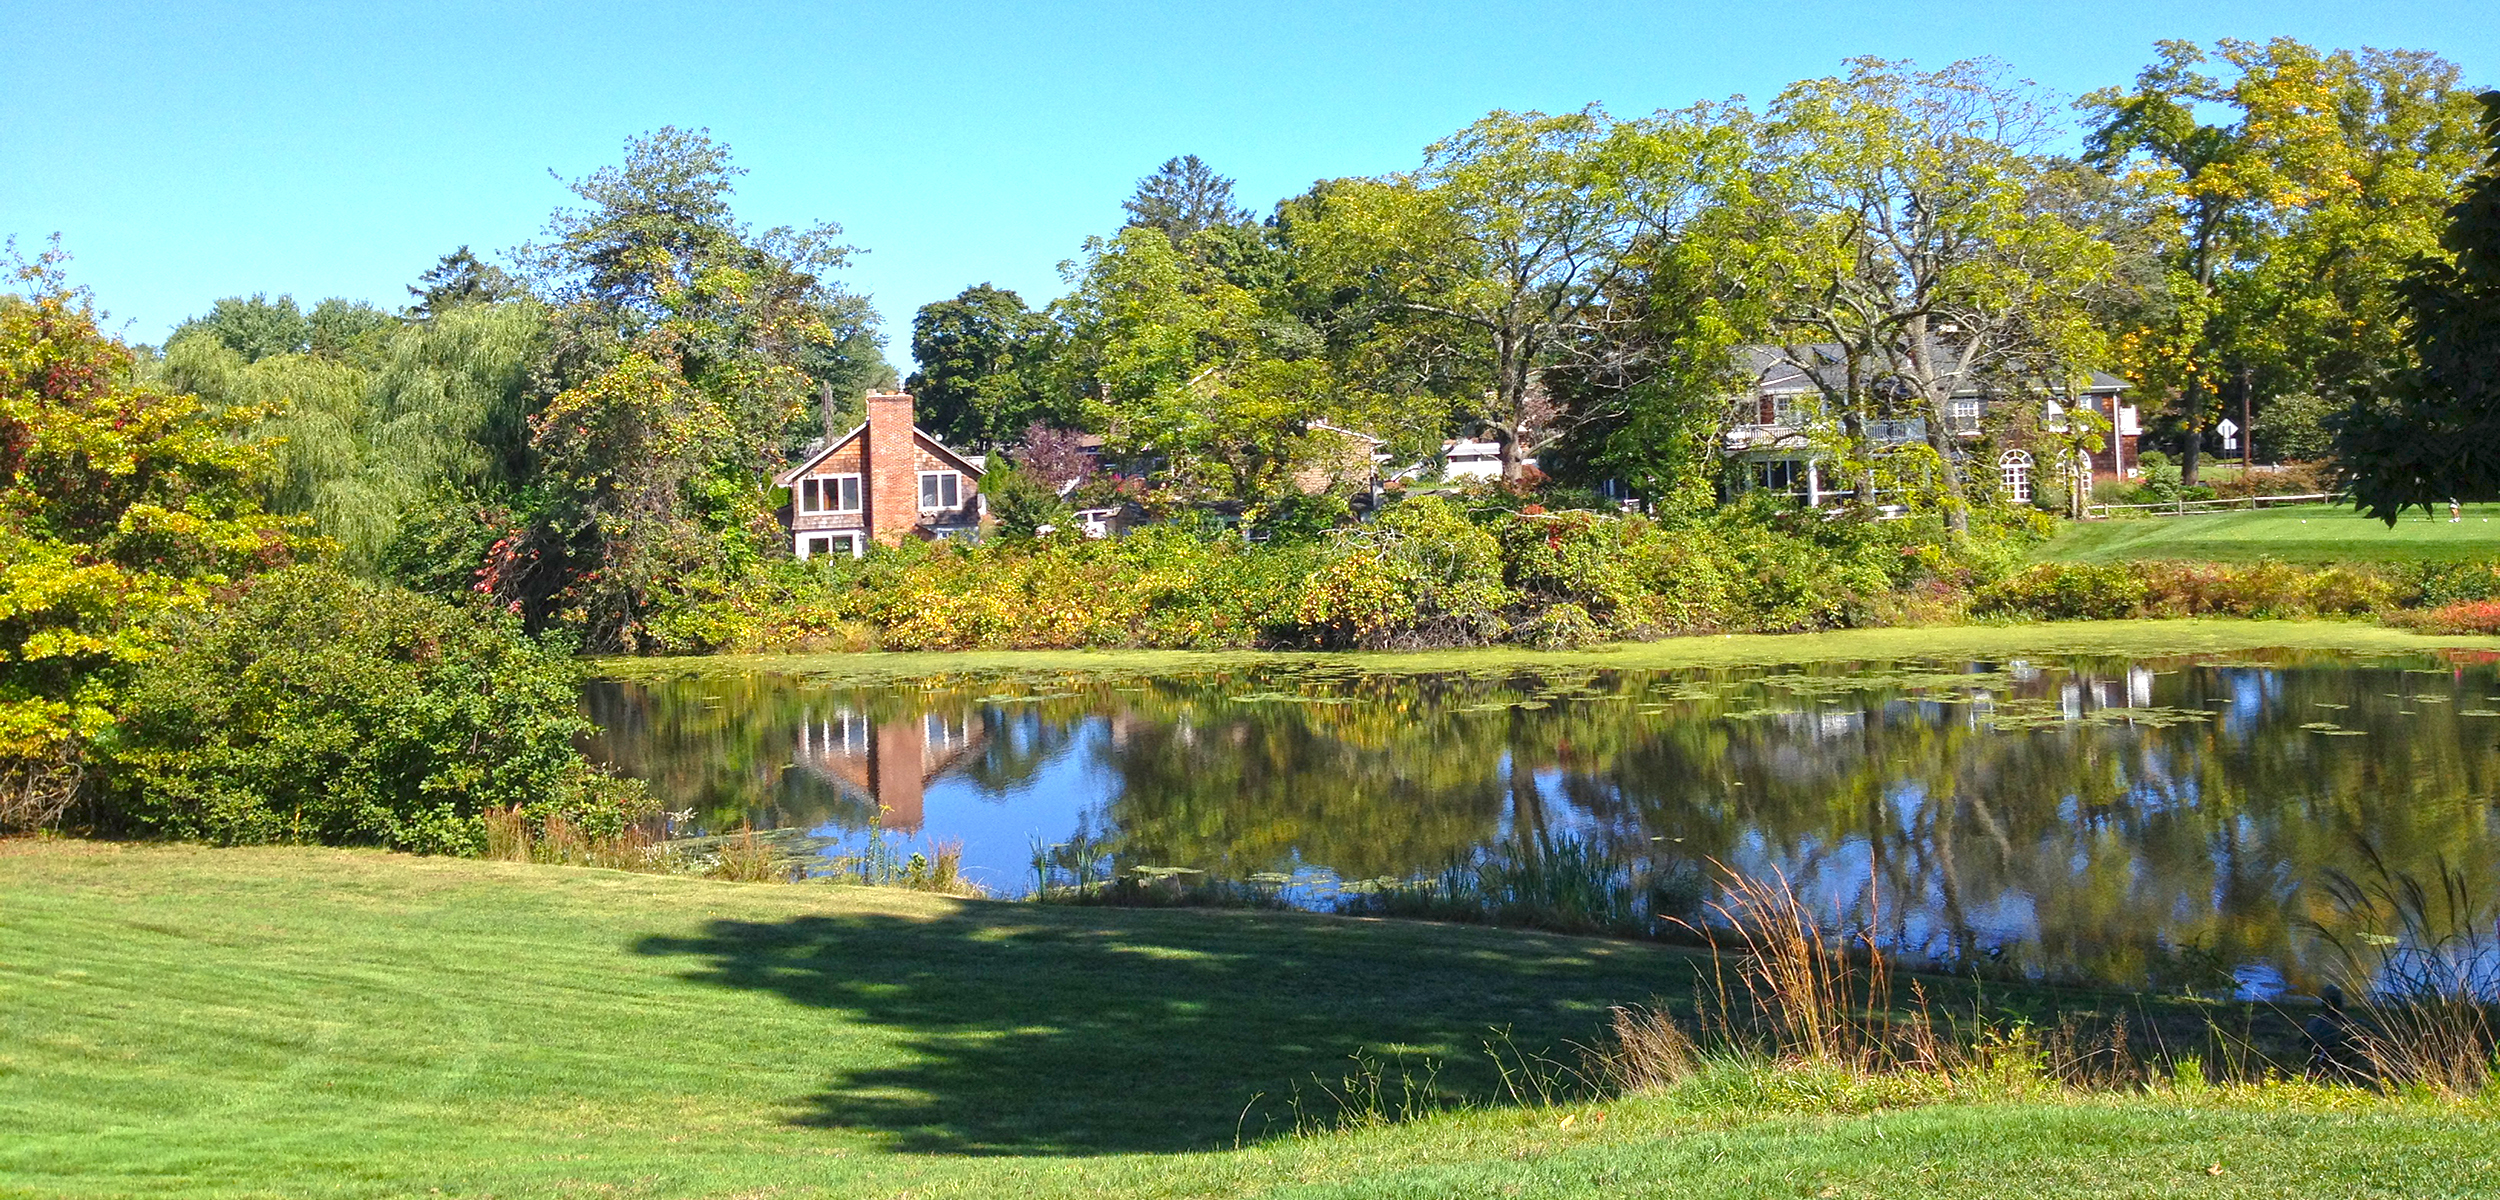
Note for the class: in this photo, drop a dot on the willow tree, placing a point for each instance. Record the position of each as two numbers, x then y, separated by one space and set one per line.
1902 257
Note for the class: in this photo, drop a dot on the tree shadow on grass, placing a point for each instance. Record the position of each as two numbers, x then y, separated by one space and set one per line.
1028 1029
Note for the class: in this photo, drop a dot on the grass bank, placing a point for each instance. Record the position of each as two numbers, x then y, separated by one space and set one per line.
183 1021
2306 534
2150 637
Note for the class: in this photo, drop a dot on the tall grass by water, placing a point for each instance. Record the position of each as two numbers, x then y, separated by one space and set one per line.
1795 1011
2424 957
1545 881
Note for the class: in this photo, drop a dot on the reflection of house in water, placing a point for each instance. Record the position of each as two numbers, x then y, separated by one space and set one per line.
887 762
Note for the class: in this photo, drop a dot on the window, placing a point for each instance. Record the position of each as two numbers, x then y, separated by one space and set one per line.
838 493
812 544
1780 475
2014 468
1962 414
940 490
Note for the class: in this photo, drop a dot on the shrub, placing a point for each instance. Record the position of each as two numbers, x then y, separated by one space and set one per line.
319 708
1023 502
2116 591
1574 558
2447 583
1421 575
2067 592
2465 616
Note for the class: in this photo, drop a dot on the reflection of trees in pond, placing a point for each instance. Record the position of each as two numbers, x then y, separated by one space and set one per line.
2085 815
2101 851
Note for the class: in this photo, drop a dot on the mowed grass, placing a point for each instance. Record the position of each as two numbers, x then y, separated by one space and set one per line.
2310 534
183 1021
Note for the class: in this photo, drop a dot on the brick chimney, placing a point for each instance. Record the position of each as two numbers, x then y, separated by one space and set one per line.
893 471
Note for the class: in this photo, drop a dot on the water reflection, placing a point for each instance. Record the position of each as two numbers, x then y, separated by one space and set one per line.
2155 821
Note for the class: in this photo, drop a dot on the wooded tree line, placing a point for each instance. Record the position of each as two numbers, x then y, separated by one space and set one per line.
582 434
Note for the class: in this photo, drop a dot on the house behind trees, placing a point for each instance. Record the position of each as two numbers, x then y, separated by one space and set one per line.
1773 435
882 482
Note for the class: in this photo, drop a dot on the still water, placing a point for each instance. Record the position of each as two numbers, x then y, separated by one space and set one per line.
2164 822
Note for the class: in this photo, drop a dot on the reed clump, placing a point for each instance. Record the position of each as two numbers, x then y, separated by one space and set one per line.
512 836
883 862
1547 881
2423 959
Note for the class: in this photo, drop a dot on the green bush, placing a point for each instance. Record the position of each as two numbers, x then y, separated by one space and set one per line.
1023 502
2117 591
319 708
2067 592
1420 575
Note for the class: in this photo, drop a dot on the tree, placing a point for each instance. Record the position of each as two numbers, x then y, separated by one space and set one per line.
1055 456
687 349
1179 366
254 327
1906 261
2287 227
1184 197
2437 436
457 279
982 359
1502 254
119 503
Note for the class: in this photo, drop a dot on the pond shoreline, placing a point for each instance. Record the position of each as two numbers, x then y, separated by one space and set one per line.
2137 637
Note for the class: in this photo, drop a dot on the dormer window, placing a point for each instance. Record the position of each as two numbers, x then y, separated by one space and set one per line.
829 493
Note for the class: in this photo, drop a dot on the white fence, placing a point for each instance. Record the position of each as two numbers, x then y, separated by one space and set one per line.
2182 507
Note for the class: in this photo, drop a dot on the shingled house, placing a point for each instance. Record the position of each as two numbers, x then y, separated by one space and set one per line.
882 482
1771 432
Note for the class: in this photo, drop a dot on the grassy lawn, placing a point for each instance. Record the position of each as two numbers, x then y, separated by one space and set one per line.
2304 534
181 1021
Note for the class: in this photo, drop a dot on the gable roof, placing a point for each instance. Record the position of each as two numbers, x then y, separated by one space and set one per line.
805 465
786 478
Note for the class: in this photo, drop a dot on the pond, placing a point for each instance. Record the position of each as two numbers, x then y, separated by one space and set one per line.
2167 822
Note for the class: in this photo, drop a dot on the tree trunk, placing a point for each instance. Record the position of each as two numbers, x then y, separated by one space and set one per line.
1956 497
2194 450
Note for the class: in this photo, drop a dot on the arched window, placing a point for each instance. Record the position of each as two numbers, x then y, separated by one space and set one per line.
2014 467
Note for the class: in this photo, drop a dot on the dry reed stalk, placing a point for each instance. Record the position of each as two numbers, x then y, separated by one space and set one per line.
2426 958
36 793
1644 1049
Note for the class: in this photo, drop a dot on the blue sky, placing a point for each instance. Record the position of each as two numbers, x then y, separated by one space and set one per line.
193 151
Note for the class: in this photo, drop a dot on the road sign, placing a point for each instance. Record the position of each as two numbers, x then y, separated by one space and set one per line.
2230 431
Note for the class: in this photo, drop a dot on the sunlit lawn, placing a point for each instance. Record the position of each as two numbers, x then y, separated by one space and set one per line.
2314 533
179 1021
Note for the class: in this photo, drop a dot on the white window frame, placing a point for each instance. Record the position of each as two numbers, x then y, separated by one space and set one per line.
826 494
2014 471
1961 414
935 484
835 541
